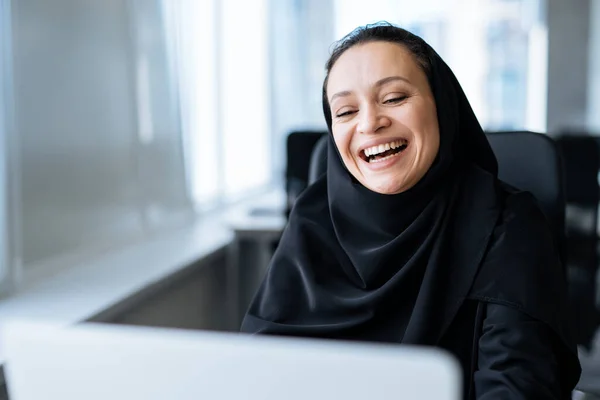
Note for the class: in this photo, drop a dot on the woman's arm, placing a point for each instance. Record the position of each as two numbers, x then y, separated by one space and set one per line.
517 358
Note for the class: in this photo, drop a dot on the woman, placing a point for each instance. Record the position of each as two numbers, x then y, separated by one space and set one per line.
410 237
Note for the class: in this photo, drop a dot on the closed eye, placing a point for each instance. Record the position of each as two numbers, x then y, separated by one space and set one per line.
345 113
395 100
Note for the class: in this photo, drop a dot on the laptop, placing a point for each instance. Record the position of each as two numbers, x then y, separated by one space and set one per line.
101 361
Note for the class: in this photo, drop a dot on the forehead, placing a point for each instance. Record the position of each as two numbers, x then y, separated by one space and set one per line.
369 62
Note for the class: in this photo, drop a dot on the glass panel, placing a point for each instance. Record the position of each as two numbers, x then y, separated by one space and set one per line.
5 111
302 32
191 32
75 123
244 88
160 160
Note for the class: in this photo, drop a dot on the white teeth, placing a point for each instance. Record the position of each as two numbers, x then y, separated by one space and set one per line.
384 158
371 151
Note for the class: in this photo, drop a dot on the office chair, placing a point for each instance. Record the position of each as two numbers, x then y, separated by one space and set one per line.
299 147
318 160
532 161
526 160
581 155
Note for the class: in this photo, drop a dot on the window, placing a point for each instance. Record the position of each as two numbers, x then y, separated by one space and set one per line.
191 30
222 55
301 34
103 93
493 47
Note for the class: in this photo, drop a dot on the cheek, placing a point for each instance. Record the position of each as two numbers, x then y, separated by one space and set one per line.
342 142
431 146
433 134
430 135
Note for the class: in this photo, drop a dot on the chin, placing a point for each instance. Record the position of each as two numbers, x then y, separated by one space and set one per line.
386 187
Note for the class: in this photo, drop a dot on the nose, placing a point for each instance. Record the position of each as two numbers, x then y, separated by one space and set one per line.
371 120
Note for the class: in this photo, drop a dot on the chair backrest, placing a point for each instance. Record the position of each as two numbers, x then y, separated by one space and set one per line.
581 162
532 161
526 160
318 160
299 147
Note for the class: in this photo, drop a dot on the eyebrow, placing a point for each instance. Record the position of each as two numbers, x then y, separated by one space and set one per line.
379 83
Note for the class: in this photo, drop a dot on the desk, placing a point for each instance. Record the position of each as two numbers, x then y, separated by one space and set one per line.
257 228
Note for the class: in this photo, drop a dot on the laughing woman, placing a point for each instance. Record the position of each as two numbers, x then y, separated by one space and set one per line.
411 238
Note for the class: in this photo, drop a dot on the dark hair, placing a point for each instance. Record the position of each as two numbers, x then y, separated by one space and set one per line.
380 32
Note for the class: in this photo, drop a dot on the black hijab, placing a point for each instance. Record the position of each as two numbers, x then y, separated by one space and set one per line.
354 264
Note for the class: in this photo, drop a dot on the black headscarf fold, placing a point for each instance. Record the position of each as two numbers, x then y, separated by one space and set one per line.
358 265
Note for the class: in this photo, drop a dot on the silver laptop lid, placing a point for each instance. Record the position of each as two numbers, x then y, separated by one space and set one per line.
99 362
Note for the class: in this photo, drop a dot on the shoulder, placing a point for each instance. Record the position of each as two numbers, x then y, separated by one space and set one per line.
523 224
518 231
522 267
522 242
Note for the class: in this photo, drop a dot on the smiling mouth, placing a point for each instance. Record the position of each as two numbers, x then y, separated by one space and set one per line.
383 151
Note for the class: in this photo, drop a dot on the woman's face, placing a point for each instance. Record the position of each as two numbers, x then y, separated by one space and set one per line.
384 118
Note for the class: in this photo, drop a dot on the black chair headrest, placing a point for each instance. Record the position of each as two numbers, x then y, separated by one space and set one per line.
318 160
581 156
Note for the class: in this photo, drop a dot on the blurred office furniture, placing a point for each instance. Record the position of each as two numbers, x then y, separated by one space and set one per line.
251 250
531 161
299 148
257 230
318 161
581 154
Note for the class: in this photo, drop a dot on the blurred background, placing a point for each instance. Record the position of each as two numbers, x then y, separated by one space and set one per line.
151 148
